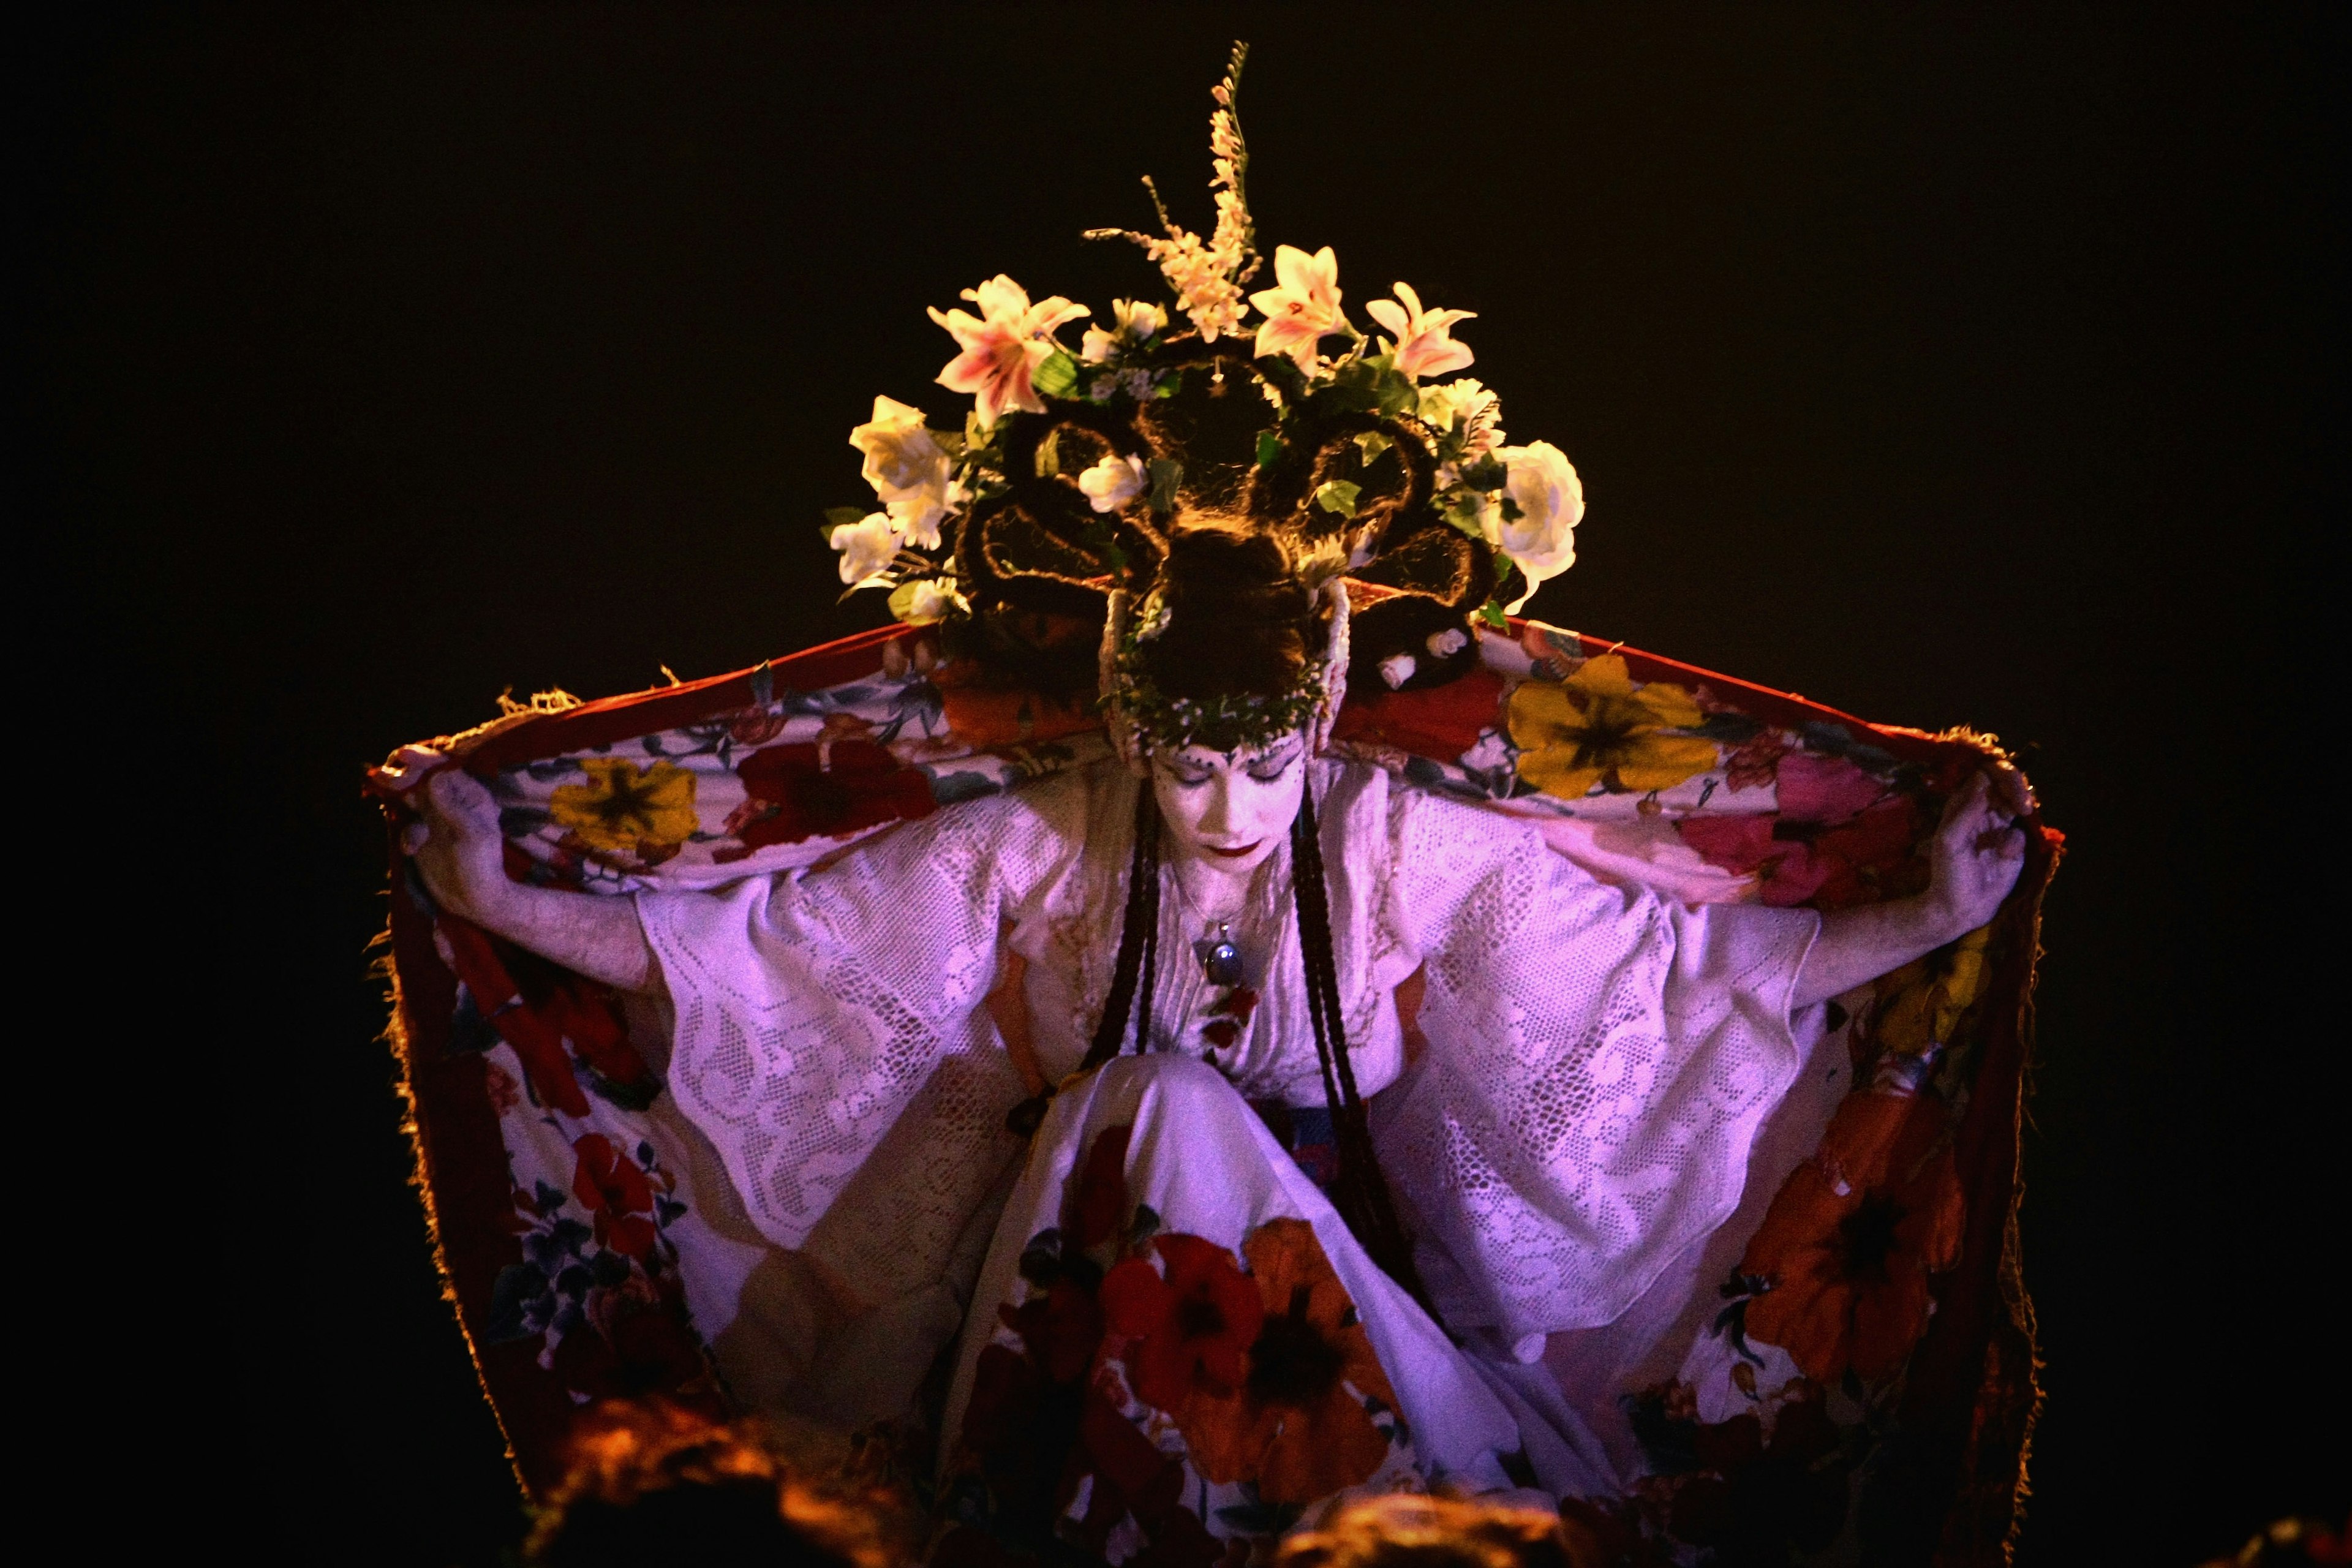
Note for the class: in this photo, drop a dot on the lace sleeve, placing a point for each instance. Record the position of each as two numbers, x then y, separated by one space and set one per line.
1599 1064
818 1012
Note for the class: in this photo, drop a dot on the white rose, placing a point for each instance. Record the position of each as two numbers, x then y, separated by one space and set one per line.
1447 643
907 469
1113 482
1397 669
867 546
1540 540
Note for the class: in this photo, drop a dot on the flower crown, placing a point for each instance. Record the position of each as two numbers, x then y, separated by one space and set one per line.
1512 511
1137 711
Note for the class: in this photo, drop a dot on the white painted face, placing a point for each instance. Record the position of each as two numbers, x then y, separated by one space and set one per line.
1228 809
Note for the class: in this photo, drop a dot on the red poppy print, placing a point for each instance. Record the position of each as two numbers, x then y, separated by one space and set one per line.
1439 722
1196 1322
805 791
616 1193
1097 1197
1061 1325
1837 838
633 1347
1850 1238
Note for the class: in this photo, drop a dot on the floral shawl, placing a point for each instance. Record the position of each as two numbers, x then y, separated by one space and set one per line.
1853 1354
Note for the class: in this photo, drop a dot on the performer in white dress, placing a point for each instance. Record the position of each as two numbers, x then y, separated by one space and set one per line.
1209 962
1193 1137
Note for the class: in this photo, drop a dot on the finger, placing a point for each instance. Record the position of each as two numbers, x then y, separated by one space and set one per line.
1999 839
1963 802
1975 804
2015 792
412 764
459 792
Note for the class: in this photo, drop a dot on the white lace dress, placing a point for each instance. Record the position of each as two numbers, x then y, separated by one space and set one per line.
1588 1069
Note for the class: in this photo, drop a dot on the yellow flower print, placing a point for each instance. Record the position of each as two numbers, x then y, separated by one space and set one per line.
623 810
1598 727
1920 1004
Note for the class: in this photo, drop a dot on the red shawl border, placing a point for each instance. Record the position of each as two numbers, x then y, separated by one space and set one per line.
1973 1394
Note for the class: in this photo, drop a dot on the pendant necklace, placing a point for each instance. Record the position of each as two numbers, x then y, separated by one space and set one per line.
1220 956
1221 960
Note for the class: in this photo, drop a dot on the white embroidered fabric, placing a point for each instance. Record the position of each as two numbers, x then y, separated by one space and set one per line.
1598 1061
830 1042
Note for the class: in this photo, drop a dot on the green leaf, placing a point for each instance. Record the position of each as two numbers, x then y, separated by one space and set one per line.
840 517
1371 443
1049 455
1338 495
1487 474
1284 372
1056 376
1166 474
1365 385
951 443
1463 512
1511 512
1492 614
1354 388
1269 449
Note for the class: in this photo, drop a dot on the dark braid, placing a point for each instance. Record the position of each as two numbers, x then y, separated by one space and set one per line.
1359 1191
1147 811
1138 942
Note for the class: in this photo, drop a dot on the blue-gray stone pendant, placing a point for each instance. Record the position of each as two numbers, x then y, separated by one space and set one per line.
1221 960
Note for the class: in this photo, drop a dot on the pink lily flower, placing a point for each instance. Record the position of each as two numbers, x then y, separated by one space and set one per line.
1424 341
1002 346
1304 310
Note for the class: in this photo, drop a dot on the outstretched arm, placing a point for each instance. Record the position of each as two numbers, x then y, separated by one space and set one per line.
460 854
1978 852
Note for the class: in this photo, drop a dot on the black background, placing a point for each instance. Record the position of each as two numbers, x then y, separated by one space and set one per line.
1947 368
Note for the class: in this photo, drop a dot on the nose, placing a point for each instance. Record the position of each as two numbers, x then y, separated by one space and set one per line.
1217 819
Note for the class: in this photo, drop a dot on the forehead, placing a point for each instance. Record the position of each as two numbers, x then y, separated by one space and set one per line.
1281 748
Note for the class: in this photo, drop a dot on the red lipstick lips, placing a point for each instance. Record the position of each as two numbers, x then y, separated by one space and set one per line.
1232 854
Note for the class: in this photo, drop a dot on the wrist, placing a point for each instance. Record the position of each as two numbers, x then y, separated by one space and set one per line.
488 891
1936 919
